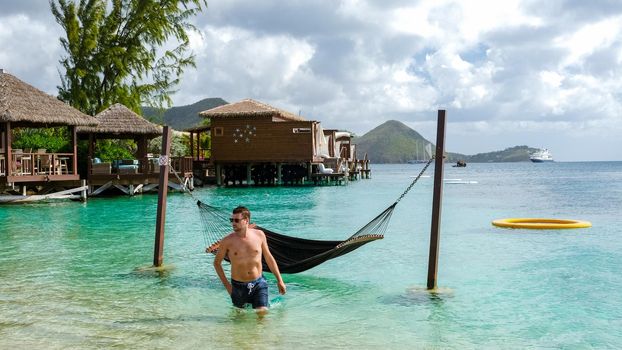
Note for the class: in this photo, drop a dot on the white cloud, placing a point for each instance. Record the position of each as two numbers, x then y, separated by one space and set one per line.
589 38
30 50
511 72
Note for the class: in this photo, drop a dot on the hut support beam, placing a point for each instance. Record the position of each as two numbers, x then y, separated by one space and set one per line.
149 187
249 174
56 195
198 145
101 189
74 146
279 174
218 175
123 189
192 146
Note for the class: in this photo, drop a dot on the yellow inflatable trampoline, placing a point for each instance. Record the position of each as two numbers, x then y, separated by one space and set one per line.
539 223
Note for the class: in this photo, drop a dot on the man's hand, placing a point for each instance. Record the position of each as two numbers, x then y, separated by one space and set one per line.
282 288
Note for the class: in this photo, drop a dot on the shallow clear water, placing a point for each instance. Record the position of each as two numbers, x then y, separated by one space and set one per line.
76 275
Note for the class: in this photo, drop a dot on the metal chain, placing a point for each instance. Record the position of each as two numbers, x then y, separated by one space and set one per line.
416 179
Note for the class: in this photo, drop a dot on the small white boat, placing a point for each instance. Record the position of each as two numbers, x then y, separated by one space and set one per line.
541 156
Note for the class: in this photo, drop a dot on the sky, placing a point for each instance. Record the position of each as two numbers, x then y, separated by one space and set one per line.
545 74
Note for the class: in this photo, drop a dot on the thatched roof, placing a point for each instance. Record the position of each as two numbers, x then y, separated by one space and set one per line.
24 104
249 108
120 120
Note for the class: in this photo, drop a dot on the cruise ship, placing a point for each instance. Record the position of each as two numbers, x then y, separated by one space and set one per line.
541 156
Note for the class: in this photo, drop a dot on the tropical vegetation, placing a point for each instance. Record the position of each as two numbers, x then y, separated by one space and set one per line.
116 51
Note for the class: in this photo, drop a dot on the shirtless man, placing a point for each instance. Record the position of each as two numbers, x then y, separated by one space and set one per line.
245 247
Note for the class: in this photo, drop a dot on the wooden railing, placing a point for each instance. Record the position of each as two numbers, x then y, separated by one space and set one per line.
31 164
182 164
146 166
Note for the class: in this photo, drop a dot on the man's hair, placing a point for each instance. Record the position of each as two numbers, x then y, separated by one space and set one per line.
246 214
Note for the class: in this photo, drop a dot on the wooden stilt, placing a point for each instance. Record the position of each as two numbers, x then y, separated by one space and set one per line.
437 201
218 175
162 193
249 170
83 194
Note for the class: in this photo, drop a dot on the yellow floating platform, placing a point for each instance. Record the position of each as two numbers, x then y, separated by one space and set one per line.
539 223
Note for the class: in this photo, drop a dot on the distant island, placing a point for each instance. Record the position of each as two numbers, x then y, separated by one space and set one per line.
390 142
395 142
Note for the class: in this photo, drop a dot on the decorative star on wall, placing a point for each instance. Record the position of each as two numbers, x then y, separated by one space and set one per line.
245 134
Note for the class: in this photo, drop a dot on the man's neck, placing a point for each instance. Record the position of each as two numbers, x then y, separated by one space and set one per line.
242 232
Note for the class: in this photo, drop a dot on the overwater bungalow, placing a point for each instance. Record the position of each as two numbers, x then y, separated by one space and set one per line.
36 171
137 174
202 167
255 143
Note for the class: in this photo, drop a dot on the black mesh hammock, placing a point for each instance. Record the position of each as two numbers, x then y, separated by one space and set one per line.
294 254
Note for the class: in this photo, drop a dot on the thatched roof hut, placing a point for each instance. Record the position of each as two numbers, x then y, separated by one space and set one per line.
249 108
22 104
118 121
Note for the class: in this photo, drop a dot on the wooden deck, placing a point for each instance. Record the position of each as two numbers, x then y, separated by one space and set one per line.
329 179
138 177
38 173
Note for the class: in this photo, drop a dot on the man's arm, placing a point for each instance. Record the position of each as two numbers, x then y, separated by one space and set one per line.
222 251
274 268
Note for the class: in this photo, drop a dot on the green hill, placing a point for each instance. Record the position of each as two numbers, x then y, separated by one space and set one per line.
391 142
183 117
395 142
512 154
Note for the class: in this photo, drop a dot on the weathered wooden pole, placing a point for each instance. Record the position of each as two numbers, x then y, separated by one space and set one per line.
437 199
162 192
192 145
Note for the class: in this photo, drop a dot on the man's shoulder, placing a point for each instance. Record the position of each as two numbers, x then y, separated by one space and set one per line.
228 237
258 232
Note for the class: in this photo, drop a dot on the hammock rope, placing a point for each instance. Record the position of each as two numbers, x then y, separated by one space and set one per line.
294 254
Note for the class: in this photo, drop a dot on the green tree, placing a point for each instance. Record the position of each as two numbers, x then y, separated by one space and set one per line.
179 145
54 139
116 51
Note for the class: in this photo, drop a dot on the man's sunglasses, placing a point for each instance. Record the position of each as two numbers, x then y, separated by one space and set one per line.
235 220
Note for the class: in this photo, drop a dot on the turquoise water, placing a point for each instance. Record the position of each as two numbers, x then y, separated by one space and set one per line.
75 276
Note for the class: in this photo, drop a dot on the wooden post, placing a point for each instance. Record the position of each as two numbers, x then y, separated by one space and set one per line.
142 144
437 200
89 162
83 193
198 145
249 174
192 145
74 146
7 150
162 192
218 174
